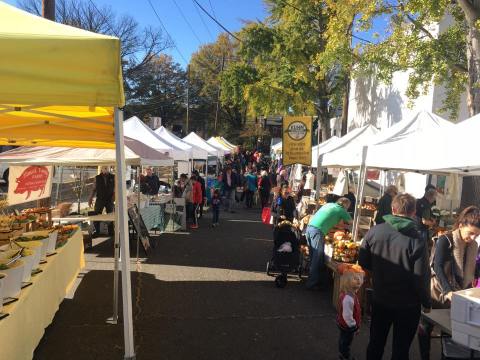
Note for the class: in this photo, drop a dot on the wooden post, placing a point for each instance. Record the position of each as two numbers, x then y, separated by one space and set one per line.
188 99
48 9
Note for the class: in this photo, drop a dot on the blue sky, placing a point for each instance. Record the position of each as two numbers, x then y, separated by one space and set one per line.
231 13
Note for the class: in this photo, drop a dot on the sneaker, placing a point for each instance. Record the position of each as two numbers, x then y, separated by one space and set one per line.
193 226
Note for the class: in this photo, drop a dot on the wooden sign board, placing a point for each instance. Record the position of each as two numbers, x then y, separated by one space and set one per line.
140 228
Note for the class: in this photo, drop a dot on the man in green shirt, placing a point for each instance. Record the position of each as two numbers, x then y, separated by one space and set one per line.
324 219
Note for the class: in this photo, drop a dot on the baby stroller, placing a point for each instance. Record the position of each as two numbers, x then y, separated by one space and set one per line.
286 257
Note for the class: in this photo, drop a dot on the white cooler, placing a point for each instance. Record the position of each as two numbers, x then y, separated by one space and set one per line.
2 287
465 316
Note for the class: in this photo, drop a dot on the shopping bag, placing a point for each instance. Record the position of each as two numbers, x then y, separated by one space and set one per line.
266 214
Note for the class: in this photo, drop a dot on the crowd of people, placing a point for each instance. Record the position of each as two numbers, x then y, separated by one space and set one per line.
247 179
409 272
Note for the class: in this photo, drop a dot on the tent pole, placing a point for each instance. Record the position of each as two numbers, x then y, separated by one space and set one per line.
319 177
360 191
116 247
121 196
139 168
58 185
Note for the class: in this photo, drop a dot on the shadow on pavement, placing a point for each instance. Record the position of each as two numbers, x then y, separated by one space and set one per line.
194 320
239 243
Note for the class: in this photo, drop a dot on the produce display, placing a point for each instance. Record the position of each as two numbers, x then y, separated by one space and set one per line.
369 206
39 210
21 251
344 248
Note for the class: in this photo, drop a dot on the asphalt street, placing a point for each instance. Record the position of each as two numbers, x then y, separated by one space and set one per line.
199 295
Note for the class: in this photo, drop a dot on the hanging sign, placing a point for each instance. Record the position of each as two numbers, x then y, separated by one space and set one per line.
297 140
29 183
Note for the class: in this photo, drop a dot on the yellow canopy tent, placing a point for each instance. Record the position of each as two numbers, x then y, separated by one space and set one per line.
222 141
59 84
62 86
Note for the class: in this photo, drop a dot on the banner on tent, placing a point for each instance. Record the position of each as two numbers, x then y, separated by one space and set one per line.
29 183
297 140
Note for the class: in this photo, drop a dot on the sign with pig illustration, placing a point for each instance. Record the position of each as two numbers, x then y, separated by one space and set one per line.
29 183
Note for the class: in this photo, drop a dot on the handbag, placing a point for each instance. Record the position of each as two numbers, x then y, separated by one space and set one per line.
439 300
266 215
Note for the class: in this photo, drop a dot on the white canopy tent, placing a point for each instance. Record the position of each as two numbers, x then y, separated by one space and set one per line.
277 148
357 136
351 154
318 149
42 155
136 129
217 144
450 149
353 139
197 141
170 138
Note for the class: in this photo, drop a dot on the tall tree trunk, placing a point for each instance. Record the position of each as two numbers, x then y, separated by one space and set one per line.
471 9
345 103
322 111
473 57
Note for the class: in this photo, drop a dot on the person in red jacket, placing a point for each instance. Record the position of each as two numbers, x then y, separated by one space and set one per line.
197 199
349 311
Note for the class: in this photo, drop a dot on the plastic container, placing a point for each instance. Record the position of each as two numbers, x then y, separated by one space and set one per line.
28 266
35 246
52 242
13 280
465 317
2 287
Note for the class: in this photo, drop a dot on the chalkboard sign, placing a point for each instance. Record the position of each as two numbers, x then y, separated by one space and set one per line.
140 228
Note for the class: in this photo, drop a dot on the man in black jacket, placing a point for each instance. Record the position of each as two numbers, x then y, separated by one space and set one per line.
397 258
230 183
385 204
104 189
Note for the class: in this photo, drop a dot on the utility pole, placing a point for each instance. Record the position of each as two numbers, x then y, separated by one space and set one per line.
188 99
48 9
218 94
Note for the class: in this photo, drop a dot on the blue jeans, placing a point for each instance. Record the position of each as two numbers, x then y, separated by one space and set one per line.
345 341
316 243
215 213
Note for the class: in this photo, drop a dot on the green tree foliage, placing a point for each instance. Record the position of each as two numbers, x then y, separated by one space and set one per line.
412 42
279 72
158 90
211 111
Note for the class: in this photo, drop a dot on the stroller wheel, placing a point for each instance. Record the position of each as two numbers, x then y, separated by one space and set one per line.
268 268
281 281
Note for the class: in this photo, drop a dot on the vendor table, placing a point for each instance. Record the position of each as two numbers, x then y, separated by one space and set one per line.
22 330
441 318
78 219
154 217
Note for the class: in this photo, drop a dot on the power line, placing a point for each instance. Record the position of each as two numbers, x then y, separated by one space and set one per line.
166 31
187 22
203 22
211 7
216 21
104 19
